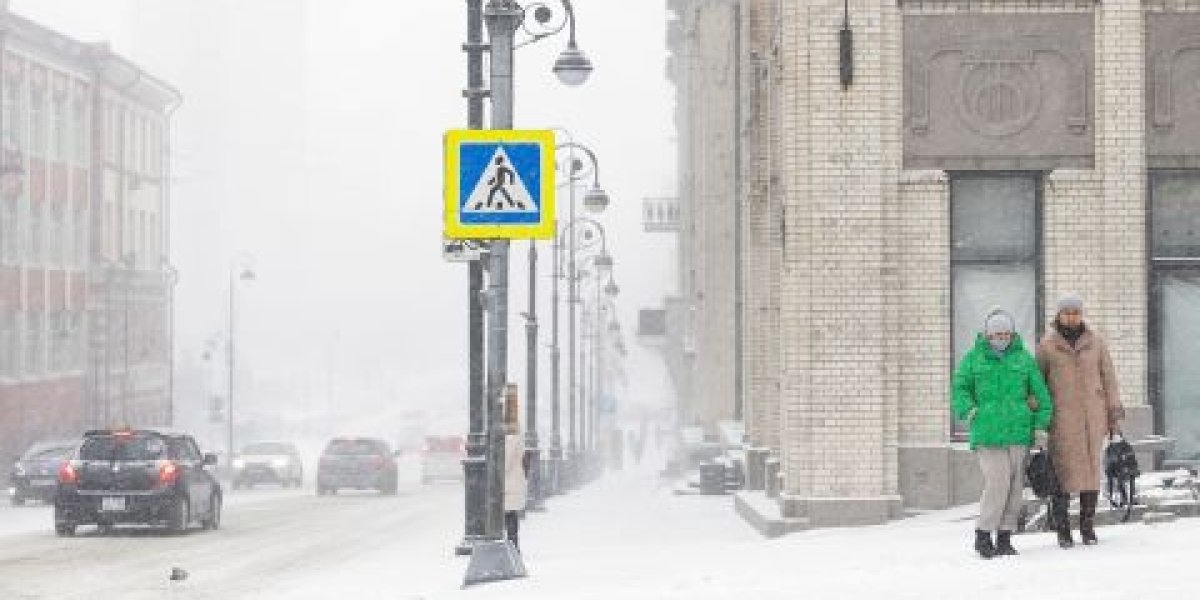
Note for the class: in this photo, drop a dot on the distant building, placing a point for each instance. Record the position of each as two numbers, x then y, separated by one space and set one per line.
85 282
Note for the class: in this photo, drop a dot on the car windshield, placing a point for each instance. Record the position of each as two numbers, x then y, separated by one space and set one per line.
267 448
120 447
352 447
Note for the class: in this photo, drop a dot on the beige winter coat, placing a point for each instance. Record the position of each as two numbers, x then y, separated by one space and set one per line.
1083 384
515 483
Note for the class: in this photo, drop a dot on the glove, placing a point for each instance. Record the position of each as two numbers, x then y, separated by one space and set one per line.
1041 439
1115 415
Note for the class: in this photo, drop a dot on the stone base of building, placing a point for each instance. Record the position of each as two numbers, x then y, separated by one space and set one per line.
764 514
842 512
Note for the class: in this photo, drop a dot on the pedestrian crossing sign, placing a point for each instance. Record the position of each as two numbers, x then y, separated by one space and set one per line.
499 184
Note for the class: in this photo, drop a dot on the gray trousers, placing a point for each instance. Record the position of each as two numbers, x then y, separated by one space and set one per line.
1003 481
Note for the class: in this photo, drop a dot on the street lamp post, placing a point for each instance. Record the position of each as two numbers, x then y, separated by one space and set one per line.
245 274
595 201
493 558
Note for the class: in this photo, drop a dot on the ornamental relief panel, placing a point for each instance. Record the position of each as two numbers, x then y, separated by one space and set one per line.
998 91
1173 90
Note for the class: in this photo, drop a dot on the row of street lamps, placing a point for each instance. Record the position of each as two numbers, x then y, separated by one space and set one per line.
492 558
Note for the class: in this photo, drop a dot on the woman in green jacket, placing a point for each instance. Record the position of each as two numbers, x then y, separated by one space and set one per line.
1000 392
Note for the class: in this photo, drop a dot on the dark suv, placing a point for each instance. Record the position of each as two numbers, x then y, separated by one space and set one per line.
33 475
143 476
361 463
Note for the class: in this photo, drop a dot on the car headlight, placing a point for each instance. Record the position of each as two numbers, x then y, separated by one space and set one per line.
239 463
18 470
279 463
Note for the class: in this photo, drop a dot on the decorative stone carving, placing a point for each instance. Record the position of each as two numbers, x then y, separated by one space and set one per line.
1173 90
998 91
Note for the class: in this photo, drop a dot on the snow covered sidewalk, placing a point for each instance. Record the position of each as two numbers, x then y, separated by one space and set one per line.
626 537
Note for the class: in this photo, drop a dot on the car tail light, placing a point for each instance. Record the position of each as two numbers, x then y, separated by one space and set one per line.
168 472
67 473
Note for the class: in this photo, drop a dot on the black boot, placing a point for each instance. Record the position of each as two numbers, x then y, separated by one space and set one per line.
1087 517
1004 545
983 544
1062 520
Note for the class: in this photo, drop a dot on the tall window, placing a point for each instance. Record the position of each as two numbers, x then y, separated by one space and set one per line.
1175 307
995 254
10 348
34 342
37 121
58 127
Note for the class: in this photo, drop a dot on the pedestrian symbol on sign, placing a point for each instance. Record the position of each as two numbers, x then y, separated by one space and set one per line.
499 188
499 184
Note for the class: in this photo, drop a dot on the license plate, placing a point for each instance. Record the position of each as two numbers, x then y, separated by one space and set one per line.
112 503
40 482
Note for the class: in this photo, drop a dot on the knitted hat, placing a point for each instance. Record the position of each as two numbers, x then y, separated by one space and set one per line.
1070 302
998 321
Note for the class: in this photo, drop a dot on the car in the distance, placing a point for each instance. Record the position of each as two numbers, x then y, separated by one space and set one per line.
34 475
359 463
442 457
268 462
144 476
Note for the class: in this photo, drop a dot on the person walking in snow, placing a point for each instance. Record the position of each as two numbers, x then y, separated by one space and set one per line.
1000 392
516 467
1075 361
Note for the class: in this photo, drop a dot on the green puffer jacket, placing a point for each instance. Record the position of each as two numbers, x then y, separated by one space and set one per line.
997 389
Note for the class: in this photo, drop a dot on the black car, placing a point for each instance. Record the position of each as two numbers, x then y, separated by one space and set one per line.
360 463
34 475
145 476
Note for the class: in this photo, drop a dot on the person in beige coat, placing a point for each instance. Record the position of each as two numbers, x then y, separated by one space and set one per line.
1075 361
516 469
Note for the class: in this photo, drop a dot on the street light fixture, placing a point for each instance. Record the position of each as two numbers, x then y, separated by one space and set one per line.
236 273
596 199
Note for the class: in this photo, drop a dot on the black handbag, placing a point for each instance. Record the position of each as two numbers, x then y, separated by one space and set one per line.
1121 470
1040 475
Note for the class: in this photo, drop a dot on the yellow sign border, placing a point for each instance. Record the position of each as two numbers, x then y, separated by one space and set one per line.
455 228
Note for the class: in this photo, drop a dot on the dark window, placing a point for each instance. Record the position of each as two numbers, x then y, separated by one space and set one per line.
268 448
121 447
1175 308
355 447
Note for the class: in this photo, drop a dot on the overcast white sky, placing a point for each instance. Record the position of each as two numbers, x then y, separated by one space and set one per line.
309 142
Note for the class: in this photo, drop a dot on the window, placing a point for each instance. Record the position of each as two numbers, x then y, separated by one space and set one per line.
10 347
34 347
58 127
79 128
995 255
36 235
1175 307
37 123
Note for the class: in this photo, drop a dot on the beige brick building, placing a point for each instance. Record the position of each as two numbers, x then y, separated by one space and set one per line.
970 153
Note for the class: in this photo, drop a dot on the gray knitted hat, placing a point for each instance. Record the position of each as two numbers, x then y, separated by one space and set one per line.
1070 301
998 321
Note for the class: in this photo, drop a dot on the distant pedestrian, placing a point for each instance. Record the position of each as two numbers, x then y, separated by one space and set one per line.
1077 365
516 468
999 391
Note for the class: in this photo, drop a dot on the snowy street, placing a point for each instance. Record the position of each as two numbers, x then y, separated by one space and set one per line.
626 536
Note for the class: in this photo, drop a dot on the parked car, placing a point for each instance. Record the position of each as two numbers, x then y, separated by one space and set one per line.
144 476
34 475
442 458
268 462
356 462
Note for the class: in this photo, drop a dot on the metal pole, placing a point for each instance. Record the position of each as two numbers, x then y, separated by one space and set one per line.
534 497
555 426
475 465
584 385
127 387
502 18
232 291
572 299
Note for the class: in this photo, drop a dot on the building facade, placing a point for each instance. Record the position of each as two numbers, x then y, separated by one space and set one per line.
85 283
905 166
